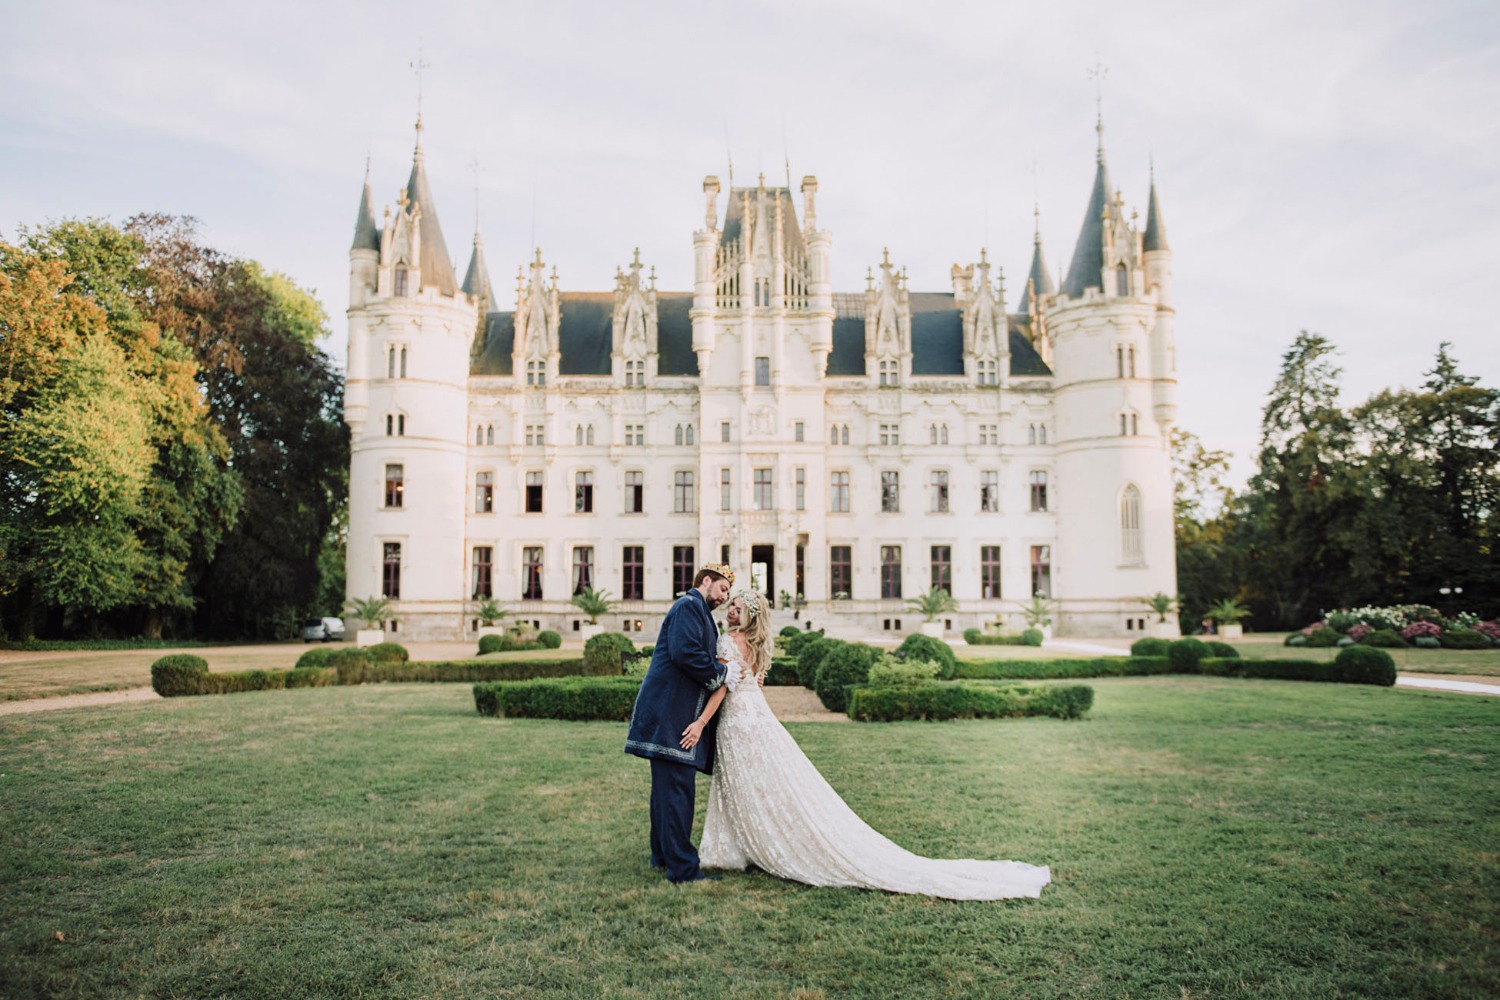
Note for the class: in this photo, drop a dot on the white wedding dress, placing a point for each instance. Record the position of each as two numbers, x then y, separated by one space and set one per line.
768 806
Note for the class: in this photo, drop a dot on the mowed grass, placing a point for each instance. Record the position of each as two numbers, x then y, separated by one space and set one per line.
1208 838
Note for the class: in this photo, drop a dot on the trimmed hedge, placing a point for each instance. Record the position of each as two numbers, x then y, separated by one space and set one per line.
795 644
810 659
1222 650
783 672
787 631
305 677
509 644
1184 654
1384 638
960 700
1365 665
388 652
470 671
1099 666
1149 647
179 674
351 664
602 652
847 665
1464 639
549 639
573 698
315 657
1030 637
924 647
1324 638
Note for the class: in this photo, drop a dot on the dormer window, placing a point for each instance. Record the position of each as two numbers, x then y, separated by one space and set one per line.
988 373
536 373
889 372
1122 280
635 373
400 282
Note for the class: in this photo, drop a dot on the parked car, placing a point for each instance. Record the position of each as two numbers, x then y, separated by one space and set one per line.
323 630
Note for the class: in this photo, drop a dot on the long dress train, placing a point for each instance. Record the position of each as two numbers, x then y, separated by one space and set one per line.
769 806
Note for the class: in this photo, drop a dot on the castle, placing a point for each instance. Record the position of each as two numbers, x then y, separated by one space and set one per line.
853 449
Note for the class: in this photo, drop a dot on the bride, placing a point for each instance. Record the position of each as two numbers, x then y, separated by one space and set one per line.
768 805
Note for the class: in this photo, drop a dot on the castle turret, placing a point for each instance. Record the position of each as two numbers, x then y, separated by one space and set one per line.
1113 489
1157 257
406 403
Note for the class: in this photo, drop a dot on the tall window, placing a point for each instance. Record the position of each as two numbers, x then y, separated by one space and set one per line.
395 425
635 492
403 362
531 573
484 492
762 371
635 434
583 568
583 493
989 571
1031 434
838 493
400 282
682 569
800 480
633 573
724 431
890 372
1038 484
890 492
724 490
536 434
1130 361
763 489
635 373
989 491
1130 525
1122 280
395 486
988 373
890 434
1119 361
942 568
390 363
682 492
840 571
690 433
1041 570
479 435
536 373
489 434
483 564
799 430
1041 433
939 491
890 571
390 575
534 492
677 438
938 433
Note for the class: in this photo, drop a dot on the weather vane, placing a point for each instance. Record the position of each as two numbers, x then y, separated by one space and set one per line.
417 66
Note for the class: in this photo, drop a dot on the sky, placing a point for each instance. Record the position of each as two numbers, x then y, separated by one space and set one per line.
1328 165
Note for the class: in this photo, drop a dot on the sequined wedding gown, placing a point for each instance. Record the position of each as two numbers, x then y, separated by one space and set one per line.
769 806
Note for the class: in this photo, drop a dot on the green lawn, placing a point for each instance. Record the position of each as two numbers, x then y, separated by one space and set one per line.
1208 837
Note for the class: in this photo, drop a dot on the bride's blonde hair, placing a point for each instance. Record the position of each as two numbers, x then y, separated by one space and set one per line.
756 626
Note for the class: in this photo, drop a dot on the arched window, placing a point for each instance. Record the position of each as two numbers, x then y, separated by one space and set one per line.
1031 434
390 363
400 281
479 435
932 434
1122 280
844 434
678 438
578 434
1124 424
833 434
1042 434
943 434
1135 427
588 435
489 434
1131 548
689 433
403 362
1130 357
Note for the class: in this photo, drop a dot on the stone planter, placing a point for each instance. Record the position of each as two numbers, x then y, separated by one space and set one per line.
369 636
1231 630
1163 630
587 631
933 629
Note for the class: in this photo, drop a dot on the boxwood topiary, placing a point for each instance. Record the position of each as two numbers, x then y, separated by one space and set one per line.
811 657
1032 637
972 636
549 639
1324 638
1364 665
1219 650
848 664
787 631
1149 647
315 657
800 641
1184 654
1426 642
924 647
179 674
783 673
603 651
301 677
388 652
351 665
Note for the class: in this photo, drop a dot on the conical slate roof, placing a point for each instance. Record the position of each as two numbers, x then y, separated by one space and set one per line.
437 267
1039 277
366 233
1156 227
477 280
1088 255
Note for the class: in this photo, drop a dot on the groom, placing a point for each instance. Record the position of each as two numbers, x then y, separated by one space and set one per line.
684 669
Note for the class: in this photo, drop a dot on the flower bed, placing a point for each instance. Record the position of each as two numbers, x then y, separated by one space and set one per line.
1417 625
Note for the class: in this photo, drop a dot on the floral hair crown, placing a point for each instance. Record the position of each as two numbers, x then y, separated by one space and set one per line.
719 568
754 605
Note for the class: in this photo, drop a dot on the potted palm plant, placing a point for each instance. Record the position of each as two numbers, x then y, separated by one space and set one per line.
374 612
1227 615
489 612
592 603
1038 614
936 601
1163 604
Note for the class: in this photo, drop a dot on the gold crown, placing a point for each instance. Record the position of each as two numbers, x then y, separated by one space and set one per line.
721 569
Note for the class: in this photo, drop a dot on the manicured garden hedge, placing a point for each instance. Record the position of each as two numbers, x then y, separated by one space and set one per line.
924 647
968 700
783 672
1098 666
180 674
1030 637
573 698
469 671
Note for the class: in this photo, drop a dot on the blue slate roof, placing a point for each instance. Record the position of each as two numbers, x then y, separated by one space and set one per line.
586 336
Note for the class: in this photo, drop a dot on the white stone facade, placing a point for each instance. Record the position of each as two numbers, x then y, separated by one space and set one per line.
977 446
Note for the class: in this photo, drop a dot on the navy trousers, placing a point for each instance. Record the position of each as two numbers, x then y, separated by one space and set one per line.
672 789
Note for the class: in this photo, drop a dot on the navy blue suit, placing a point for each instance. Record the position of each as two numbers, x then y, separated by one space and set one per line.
684 669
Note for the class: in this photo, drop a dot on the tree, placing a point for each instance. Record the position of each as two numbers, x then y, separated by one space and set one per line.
1209 561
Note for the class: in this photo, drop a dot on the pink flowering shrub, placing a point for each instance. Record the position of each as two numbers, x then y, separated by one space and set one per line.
1315 626
1358 632
1490 629
1419 630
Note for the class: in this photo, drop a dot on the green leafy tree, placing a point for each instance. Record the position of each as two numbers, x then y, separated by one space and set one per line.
1206 511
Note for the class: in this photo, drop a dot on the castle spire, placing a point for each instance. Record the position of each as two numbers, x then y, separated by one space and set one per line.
477 280
1156 227
1039 278
436 265
366 233
1088 255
